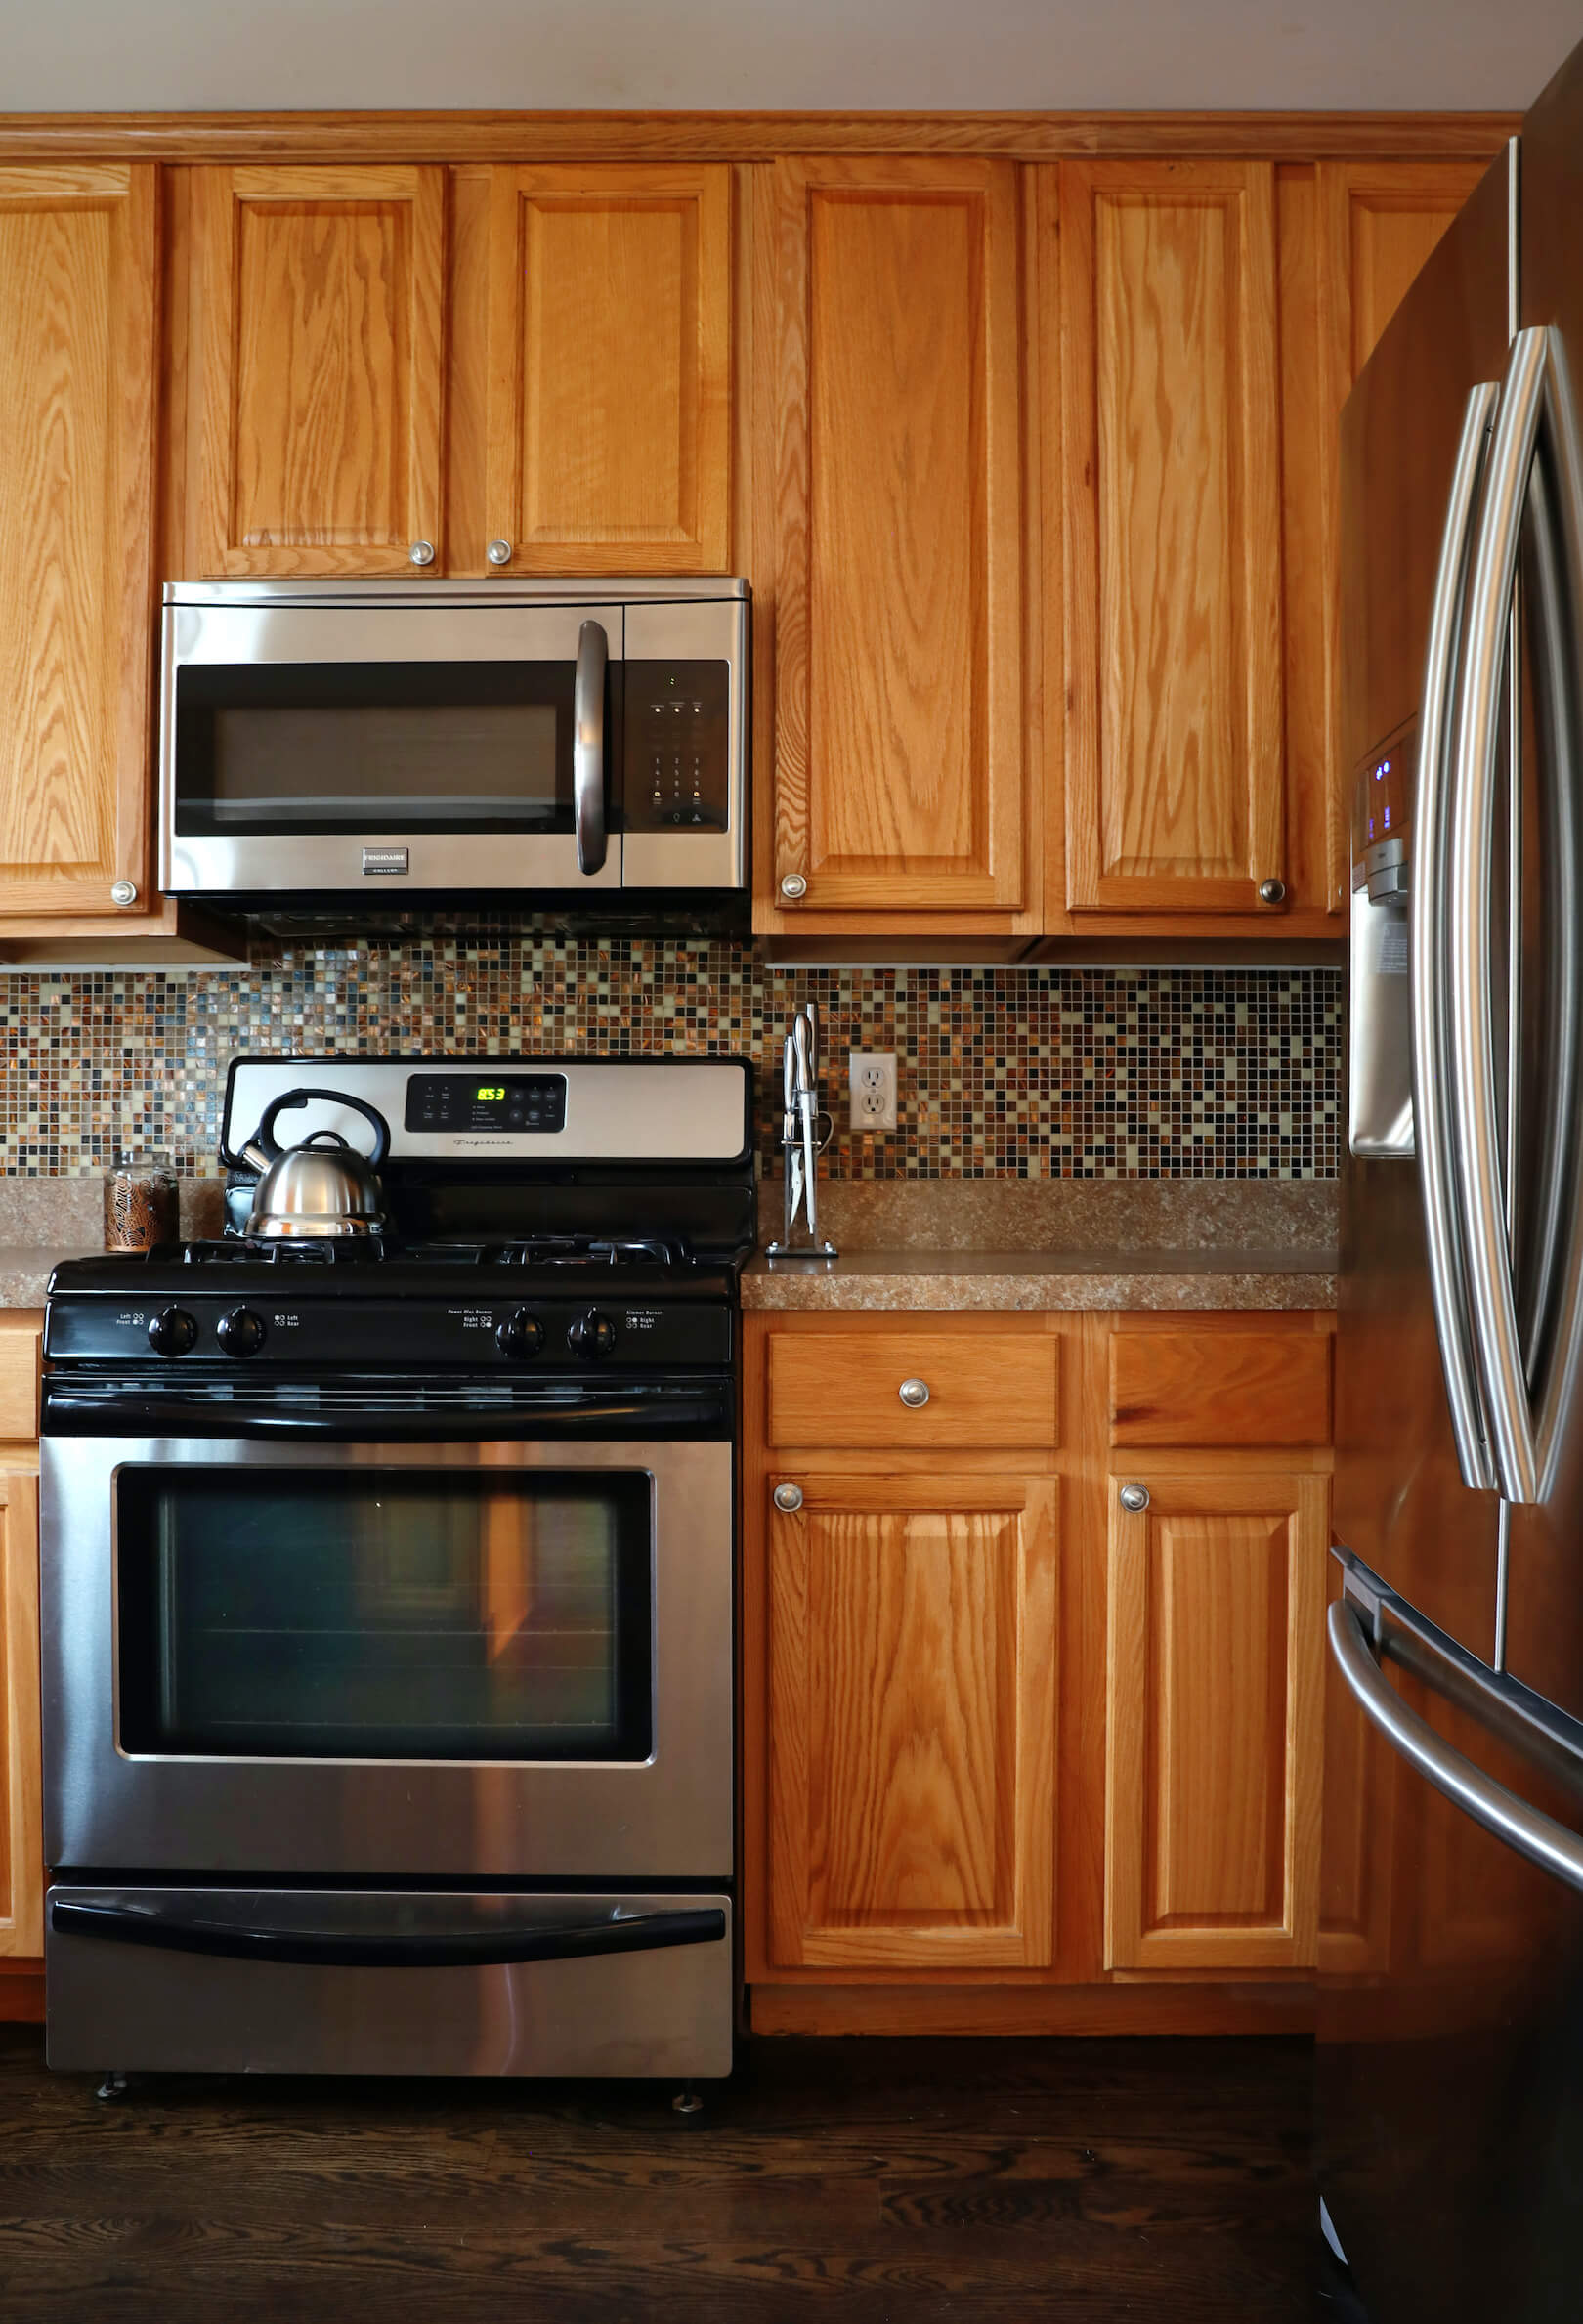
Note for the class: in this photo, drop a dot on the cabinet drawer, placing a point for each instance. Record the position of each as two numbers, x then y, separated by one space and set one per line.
1219 1388
843 1390
19 1383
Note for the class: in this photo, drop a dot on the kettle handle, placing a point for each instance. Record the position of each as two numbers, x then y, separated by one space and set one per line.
264 1135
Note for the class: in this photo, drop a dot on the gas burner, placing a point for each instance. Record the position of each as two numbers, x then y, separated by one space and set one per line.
592 1250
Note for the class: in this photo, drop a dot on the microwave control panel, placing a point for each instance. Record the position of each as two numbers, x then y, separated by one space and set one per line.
678 745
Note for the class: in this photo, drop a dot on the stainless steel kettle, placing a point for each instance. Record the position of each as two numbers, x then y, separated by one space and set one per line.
322 1186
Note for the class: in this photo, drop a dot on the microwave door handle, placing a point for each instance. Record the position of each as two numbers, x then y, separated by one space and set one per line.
1433 1129
360 1949
1475 1113
589 747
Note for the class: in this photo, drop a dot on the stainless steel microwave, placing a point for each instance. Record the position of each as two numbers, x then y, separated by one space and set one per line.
360 749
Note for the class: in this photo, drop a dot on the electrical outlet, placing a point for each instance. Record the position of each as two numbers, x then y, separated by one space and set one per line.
872 1088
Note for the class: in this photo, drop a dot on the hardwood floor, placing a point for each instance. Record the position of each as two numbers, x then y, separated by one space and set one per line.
861 2179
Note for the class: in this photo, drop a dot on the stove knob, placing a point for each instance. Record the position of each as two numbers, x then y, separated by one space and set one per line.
241 1333
592 1334
520 1335
171 1332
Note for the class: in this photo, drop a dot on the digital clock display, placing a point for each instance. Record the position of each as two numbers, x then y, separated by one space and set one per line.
524 1104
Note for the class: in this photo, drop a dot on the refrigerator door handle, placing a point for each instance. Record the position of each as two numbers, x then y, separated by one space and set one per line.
1473 1029
1520 1826
1433 1127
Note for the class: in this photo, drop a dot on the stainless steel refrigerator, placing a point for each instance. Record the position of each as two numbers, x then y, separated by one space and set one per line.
1450 2054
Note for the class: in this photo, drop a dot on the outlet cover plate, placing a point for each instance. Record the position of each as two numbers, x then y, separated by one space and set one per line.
871 1085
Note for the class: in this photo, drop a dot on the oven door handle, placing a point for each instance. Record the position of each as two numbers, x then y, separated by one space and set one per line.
477 1949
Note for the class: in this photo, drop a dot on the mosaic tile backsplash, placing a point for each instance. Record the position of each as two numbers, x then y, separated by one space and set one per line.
1040 1074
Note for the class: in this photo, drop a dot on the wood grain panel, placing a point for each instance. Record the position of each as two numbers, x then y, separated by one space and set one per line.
78 289
1378 221
18 1377
1174 762
911 1671
1356 1913
839 1391
1215 1723
1220 1387
22 1793
895 343
608 428
318 297
488 136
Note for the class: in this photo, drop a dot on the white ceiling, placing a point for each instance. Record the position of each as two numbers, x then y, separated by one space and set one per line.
177 56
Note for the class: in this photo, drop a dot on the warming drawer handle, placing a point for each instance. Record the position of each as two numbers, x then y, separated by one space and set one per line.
479 1949
1539 1837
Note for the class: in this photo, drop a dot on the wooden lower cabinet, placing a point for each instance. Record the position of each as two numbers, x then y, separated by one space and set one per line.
1216 1720
912 1722
21 1824
1017 1756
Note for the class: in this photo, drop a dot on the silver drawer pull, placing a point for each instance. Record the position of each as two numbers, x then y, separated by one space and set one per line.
1134 1497
914 1394
498 552
789 1498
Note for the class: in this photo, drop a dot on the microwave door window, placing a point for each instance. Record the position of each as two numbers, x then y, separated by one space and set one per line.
270 750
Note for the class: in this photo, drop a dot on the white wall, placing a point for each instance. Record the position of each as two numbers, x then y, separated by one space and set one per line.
78 56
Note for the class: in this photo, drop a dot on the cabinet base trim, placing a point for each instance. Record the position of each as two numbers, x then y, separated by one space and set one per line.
1074 2010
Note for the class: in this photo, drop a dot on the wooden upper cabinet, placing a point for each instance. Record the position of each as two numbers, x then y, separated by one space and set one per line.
317 392
78 275
888 530
608 398
1380 221
1216 1706
911 1723
1169 500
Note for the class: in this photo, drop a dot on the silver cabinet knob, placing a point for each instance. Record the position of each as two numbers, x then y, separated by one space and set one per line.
1134 1497
421 552
498 552
124 892
789 1498
1272 891
914 1394
793 888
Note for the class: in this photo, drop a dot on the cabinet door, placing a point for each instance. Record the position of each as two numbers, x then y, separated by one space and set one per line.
1171 468
1216 1702
78 261
911 1723
888 451
316 298
608 411
21 1815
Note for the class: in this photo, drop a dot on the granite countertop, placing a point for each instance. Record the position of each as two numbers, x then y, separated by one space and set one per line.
913 1244
921 1278
1069 1243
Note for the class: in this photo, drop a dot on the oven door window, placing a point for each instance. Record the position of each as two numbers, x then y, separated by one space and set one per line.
266 750
403 1613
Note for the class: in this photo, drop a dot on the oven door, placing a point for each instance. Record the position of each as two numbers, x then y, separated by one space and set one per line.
444 1660
389 747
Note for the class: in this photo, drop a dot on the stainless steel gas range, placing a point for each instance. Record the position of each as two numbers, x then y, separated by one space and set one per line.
388 1590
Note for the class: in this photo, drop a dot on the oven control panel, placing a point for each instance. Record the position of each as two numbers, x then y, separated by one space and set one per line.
529 1103
484 1329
